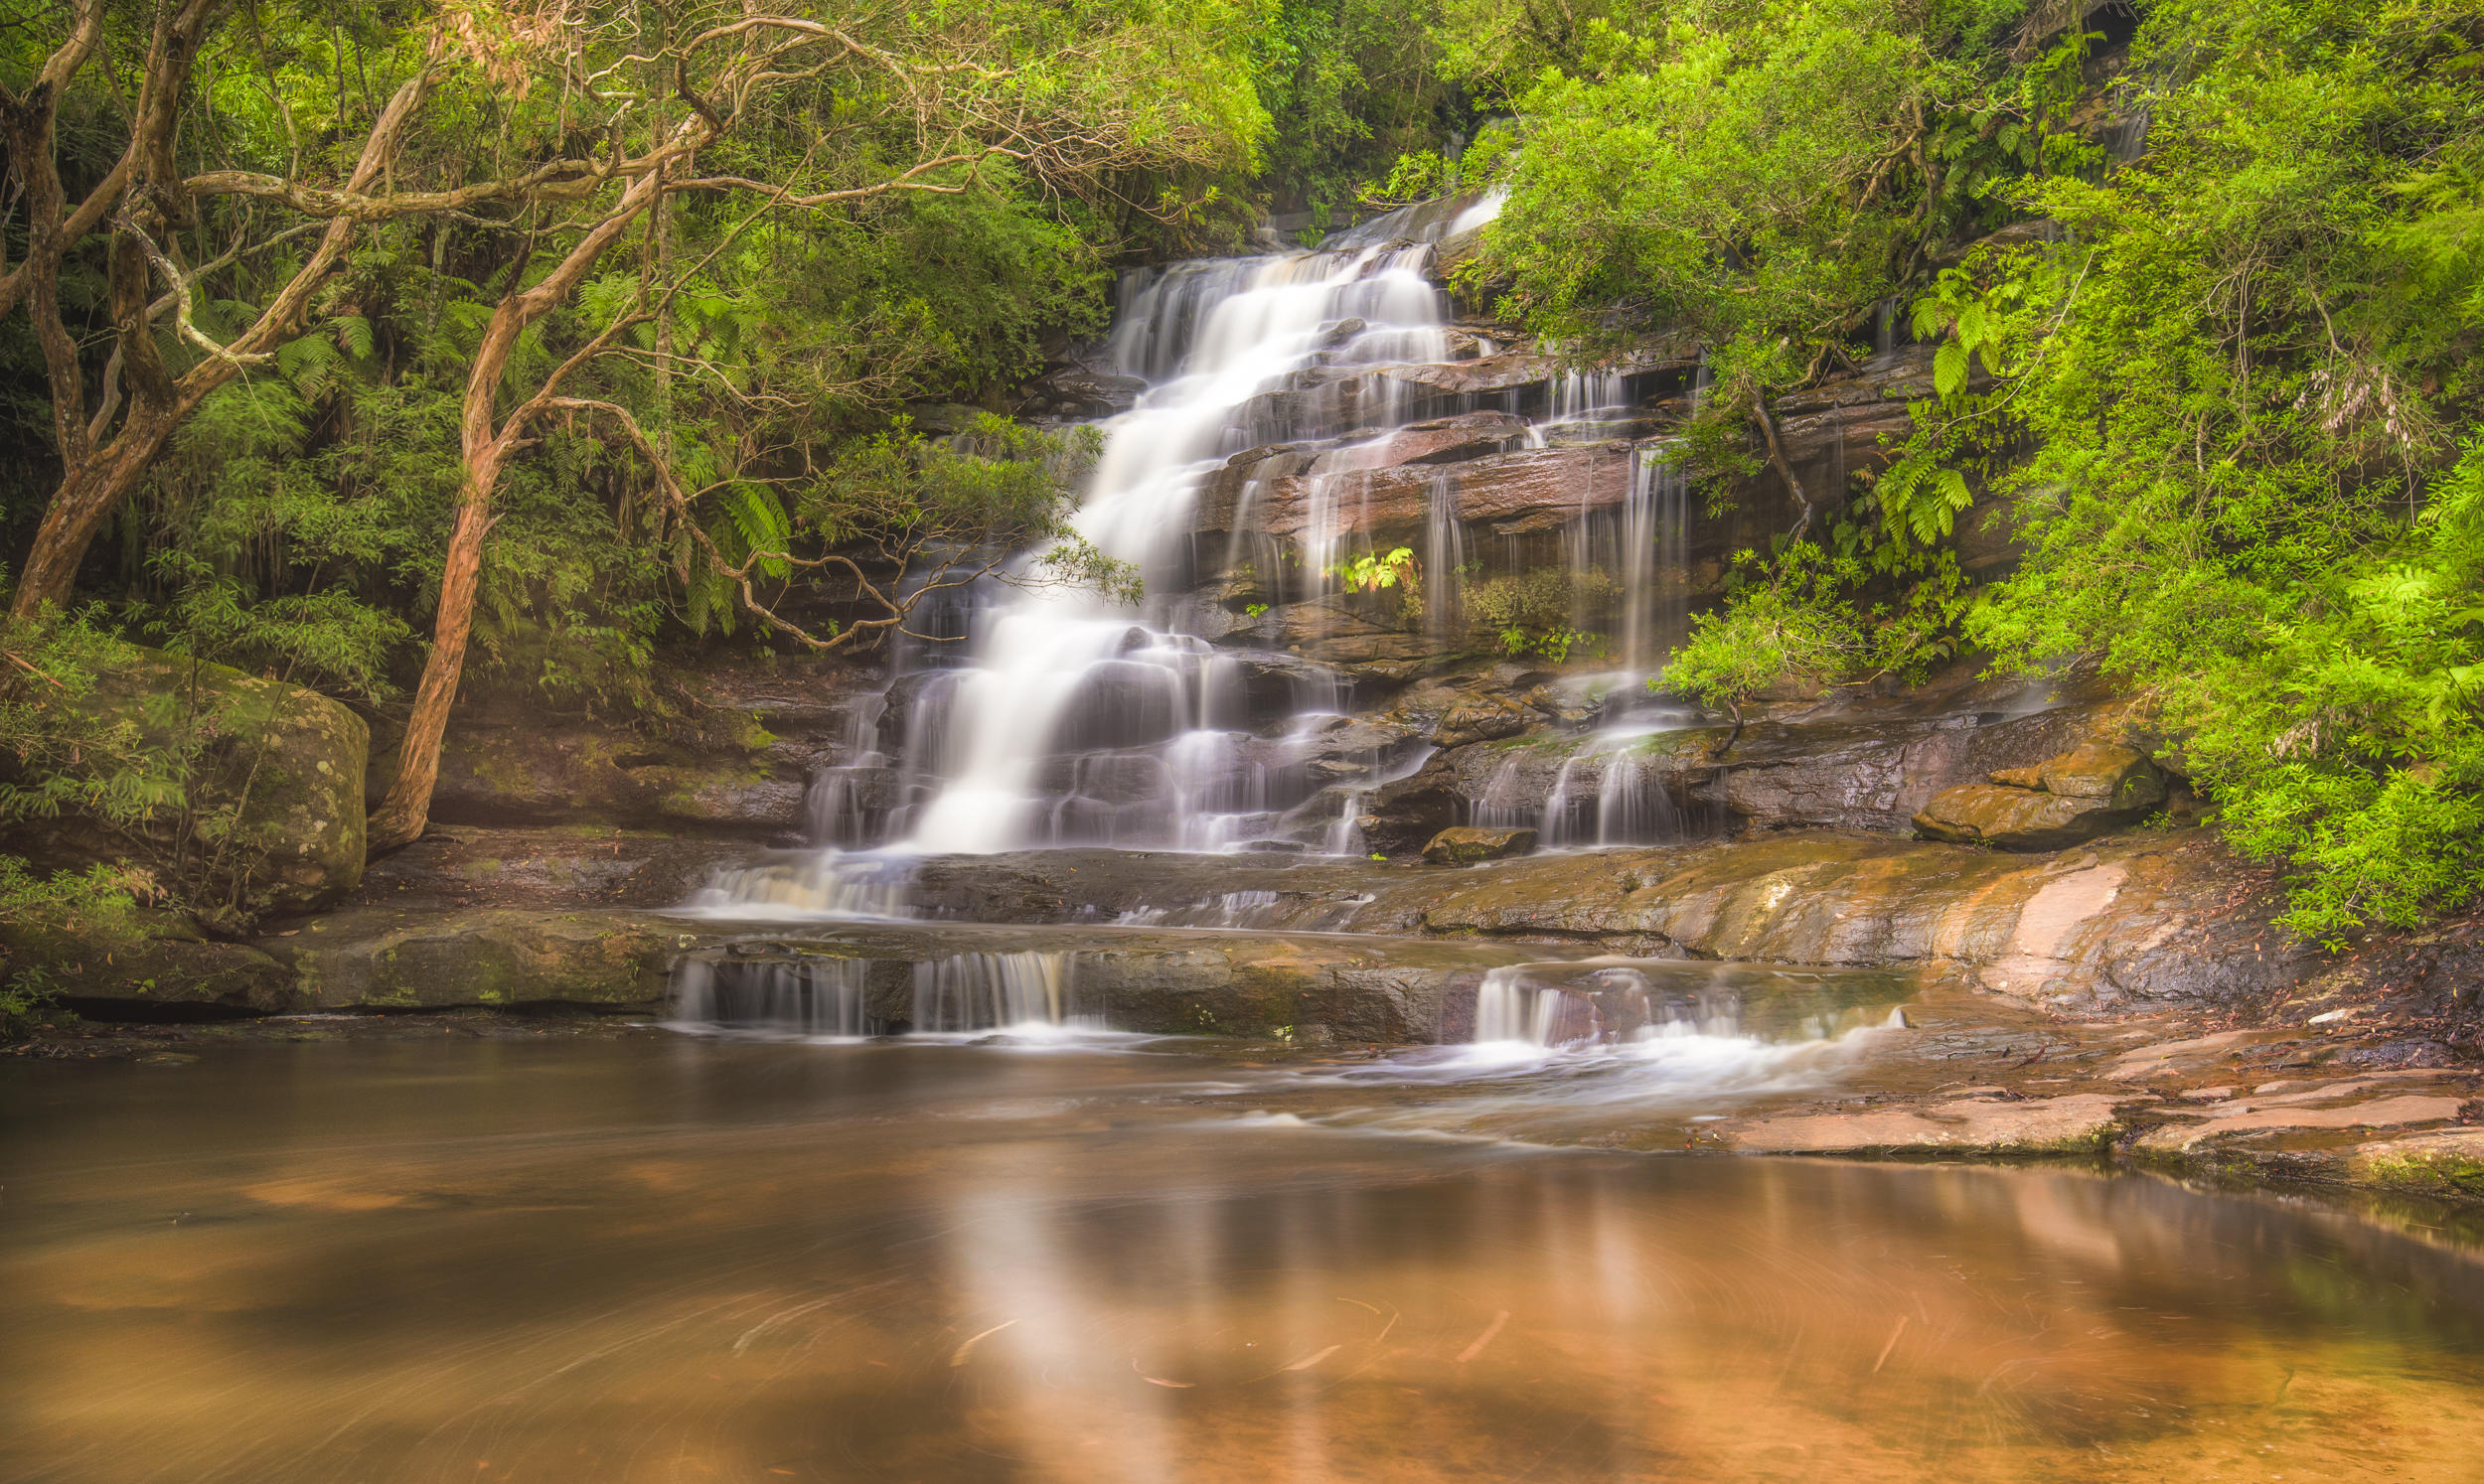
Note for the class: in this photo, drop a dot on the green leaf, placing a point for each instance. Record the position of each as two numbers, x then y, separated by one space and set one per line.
1948 370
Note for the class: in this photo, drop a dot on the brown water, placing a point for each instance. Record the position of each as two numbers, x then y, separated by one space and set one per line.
668 1260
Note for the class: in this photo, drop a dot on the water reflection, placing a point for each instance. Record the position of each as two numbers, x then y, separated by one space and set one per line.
692 1260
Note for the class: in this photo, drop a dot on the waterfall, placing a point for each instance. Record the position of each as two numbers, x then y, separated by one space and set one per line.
1055 717
1075 722
1508 1008
810 996
1655 546
992 992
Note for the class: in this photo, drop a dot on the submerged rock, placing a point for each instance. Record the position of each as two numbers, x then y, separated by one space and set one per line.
2075 1123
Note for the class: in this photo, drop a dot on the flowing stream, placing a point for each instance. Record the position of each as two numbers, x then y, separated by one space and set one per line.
1064 719
657 1259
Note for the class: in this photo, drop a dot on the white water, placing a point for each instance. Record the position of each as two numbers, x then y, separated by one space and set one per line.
1049 664
814 997
964 992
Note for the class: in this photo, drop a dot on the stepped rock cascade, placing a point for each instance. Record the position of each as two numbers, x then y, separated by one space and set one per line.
1075 721
1302 414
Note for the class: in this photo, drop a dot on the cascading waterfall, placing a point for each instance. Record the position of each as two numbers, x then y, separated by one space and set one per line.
811 996
992 992
1508 1008
1075 724
1061 719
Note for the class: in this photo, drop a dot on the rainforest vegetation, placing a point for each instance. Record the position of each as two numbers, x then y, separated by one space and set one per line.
402 350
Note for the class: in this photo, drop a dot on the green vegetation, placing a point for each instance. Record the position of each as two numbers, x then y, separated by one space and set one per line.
1540 611
2222 399
400 352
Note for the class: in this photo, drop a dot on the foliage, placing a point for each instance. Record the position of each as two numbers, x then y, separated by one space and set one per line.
2217 400
2236 373
1374 571
1543 610
58 900
61 751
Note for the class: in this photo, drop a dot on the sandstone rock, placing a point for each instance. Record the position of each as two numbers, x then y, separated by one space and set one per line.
2119 777
2076 1124
1469 844
2093 789
1402 815
378 958
2014 818
737 762
1483 720
288 761
125 961
2255 1116
2449 1163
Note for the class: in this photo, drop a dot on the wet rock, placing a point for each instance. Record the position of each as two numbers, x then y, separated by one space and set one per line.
2093 789
2260 1119
2142 922
1081 390
1356 634
1839 775
738 761
1517 492
1442 440
2109 773
1400 816
1276 686
2014 818
544 867
129 962
2411 1053
2447 1164
1469 844
2083 1122
1483 720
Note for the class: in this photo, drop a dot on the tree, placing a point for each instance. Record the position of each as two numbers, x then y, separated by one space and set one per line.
901 99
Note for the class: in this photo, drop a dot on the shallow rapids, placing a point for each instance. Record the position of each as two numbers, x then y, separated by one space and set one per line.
665 1258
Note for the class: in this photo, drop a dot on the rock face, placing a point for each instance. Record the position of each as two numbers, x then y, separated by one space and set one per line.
737 762
2093 788
272 781
125 961
374 959
1468 845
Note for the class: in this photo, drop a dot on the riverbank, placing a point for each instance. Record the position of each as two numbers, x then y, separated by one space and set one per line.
2350 1078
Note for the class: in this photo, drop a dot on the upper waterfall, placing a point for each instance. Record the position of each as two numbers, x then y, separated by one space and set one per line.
1071 708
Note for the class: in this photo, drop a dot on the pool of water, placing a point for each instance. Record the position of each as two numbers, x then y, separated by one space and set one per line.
660 1258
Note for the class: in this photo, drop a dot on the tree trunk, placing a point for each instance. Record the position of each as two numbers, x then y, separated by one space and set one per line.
87 496
402 815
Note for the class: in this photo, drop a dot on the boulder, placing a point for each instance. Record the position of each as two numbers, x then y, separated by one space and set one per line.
1402 815
2119 777
2093 789
735 759
1471 844
272 777
116 959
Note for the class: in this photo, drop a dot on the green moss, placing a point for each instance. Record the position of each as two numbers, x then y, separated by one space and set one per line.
2454 1173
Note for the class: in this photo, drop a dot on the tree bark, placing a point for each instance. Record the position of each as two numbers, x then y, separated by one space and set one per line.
487 442
1777 460
98 476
